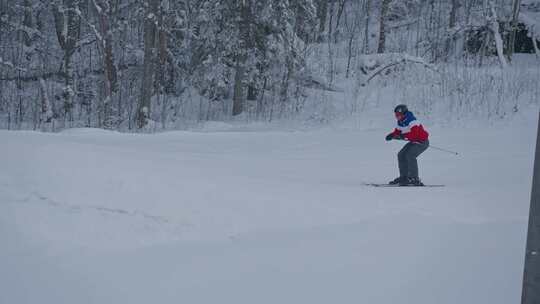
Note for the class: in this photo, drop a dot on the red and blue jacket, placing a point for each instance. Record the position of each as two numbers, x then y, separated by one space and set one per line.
411 129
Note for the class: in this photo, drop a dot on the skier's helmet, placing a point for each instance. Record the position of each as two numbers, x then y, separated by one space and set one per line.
401 109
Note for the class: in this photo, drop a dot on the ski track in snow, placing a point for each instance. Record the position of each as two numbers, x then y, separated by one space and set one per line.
96 208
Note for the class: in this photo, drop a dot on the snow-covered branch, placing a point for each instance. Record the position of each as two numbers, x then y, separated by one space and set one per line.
10 65
390 61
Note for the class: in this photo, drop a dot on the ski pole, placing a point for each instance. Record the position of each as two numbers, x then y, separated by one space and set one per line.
434 147
443 150
437 148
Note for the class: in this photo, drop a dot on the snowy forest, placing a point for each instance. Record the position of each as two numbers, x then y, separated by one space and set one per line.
166 64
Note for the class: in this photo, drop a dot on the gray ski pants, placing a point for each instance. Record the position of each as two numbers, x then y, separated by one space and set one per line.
408 166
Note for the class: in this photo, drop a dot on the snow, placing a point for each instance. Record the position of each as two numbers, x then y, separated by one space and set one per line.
387 60
8 64
530 16
26 29
97 7
88 131
93 216
65 28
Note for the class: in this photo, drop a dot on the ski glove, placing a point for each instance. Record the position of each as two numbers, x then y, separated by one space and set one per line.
392 136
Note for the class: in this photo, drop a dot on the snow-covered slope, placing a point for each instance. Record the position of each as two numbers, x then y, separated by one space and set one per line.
262 217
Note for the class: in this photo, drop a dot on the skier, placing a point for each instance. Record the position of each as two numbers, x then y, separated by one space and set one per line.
411 130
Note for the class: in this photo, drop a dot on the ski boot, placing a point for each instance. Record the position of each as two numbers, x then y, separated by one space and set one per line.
414 181
397 180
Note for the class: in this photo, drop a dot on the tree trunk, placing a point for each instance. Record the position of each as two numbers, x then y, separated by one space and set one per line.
494 26
535 44
104 10
252 92
322 11
338 20
239 95
147 85
46 113
385 5
451 28
331 59
67 24
284 89
349 54
239 92
516 4
27 22
367 9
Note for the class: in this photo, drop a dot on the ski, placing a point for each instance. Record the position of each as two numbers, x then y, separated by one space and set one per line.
398 186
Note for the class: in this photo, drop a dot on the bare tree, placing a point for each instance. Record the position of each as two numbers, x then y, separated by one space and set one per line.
493 24
451 32
385 5
46 114
367 9
352 28
27 21
105 13
67 22
239 95
147 85
341 7
322 11
516 4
